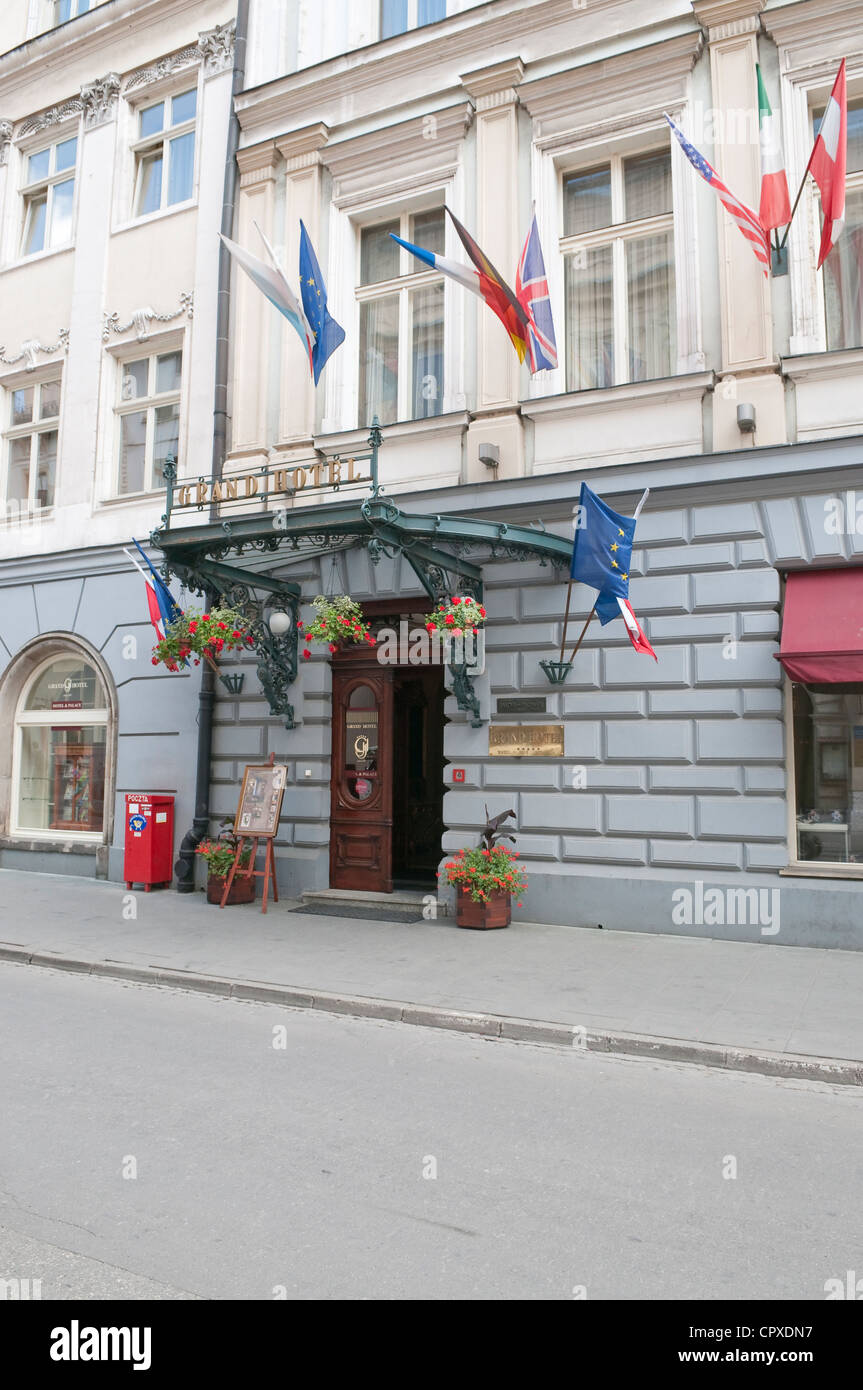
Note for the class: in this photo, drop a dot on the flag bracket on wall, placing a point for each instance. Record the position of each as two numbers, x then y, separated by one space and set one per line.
778 261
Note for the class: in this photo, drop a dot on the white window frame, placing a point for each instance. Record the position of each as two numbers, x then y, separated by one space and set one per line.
75 8
28 191
47 718
137 353
34 428
402 285
141 147
803 868
412 19
616 234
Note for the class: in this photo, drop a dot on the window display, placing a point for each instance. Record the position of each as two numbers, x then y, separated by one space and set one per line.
828 768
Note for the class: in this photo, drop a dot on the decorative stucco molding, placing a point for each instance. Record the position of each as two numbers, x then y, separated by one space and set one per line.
53 116
5 140
165 67
141 319
99 100
30 350
216 48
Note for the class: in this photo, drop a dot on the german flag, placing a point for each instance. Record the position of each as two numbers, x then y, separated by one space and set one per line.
496 292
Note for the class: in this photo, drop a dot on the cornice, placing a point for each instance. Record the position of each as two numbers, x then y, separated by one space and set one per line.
484 82
725 19
817 31
301 148
396 157
643 80
258 164
441 52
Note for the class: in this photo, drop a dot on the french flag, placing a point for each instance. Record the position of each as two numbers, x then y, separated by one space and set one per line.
531 288
160 601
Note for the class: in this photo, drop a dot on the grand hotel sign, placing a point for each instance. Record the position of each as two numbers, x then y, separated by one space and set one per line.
273 482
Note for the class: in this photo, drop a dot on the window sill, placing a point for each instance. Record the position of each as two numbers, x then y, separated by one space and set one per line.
128 499
38 256
602 397
356 439
829 871
77 842
148 218
831 362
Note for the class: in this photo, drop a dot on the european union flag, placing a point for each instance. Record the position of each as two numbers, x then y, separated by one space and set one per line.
328 334
602 551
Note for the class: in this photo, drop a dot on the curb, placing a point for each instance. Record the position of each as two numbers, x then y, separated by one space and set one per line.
835 1071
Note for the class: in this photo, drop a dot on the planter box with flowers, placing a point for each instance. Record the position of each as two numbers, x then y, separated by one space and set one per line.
201 636
486 879
339 622
219 856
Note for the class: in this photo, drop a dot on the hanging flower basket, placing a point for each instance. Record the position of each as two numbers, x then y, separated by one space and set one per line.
200 637
338 621
458 615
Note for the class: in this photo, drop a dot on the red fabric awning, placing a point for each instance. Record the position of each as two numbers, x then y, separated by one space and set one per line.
822 627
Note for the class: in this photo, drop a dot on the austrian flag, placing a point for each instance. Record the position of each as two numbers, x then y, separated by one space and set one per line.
827 164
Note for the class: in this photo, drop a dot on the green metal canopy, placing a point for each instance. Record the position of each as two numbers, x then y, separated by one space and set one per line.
221 556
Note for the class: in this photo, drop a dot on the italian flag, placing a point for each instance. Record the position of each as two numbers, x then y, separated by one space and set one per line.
775 210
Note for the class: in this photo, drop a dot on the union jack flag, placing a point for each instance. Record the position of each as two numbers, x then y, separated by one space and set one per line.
531 290
748 221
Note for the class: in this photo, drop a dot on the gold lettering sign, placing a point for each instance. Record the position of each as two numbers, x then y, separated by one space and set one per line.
333 473
525 740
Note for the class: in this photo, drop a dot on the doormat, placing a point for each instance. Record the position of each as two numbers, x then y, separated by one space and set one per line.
368 914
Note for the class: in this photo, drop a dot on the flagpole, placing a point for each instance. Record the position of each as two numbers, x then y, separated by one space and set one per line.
799 193
583 631
565 620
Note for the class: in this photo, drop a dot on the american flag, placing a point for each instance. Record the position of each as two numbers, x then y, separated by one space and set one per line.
747 220
531 289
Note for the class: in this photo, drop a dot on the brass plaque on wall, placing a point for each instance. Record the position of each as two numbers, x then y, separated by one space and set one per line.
525 740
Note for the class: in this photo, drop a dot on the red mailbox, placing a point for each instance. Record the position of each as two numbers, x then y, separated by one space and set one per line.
149 840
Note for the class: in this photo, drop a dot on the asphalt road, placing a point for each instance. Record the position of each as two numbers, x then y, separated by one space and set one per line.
155 1144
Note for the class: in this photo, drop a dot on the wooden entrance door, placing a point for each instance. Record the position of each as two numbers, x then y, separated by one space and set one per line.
361 817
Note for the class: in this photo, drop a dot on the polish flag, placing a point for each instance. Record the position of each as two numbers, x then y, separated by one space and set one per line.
827 164
775 209
633 627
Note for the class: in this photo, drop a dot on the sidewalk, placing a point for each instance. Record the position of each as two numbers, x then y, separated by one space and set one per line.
787 1010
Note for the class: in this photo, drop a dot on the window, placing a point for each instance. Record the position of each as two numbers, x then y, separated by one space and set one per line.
828 772
165 153
148 419
397 16
60 741
69 9
618 248
843 268
49 197
401 321
30 446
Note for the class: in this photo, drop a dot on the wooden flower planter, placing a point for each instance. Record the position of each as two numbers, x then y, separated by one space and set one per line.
497 912
242 890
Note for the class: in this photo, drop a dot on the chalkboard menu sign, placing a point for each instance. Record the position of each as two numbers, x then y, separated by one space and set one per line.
261 800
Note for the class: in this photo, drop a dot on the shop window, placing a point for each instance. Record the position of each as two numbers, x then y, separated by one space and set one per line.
401 321
828 773
397 16
60 751
148 419
165 153
48 197
843 268
618 249
30 446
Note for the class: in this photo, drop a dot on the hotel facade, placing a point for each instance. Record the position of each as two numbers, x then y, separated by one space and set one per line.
737 400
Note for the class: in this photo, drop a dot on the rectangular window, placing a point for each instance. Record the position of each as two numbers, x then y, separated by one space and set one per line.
48 197
843 268
69 9
148 420
828 773
401 321
397 16
165 153
30 446
618 247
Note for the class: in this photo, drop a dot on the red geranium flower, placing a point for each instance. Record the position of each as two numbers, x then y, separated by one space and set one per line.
306 653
